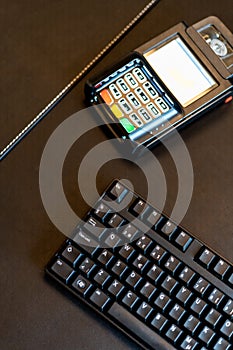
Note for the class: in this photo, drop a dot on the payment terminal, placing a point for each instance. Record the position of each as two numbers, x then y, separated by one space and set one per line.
167 82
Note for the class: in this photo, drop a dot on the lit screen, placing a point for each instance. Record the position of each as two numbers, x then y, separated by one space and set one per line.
181 72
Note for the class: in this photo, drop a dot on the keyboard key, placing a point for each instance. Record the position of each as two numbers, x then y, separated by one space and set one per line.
133 279
101 211
130 299
87 266
87 243
72 254
153 218
198 306
139 207
187 275
99 298
155 273
119 268
221 268
163 106
162 301
183 241
140 262
101 277
126 252
174 333
105 257
216 296
129 232
159 322
171 264
158 253
230 279
142 95
144 115
177 312
206 258
133 100
222 344
206 335
125 106
213 317
136 120
150 89
170 284
122 85
114 91
154 111
131 80
148 290
228 308
95 227
144 310
106 96
127 125
227 329
144 243
201 286
191 324
116 288
62 270
189 343
184 295
112 240
116 221
168 229
81 285
118 192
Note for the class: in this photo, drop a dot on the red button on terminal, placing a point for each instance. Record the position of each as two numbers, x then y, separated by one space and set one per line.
228 99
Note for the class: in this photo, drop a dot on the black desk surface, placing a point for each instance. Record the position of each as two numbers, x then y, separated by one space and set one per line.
43 45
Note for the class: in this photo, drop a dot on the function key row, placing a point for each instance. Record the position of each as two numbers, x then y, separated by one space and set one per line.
213 263
160 224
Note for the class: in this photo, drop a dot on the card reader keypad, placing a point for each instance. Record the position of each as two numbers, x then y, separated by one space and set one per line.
134 99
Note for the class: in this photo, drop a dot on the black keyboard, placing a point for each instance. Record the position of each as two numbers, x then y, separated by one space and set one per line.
152 279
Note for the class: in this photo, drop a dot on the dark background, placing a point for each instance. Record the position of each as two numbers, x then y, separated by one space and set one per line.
43 45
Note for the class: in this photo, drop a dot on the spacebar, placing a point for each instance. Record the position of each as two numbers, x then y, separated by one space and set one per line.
137 328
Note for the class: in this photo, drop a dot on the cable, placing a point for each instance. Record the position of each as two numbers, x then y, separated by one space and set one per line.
75 80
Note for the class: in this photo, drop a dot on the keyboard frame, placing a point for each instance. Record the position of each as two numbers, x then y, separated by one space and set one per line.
189 255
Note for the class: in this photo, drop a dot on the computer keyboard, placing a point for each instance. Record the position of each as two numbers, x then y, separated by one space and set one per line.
153 280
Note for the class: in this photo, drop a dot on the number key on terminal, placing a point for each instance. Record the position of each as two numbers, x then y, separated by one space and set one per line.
141 95
145 115
150 89
122 85
115 91
131 80
139 75
133 100
162 104
125 106
136 120
153 109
